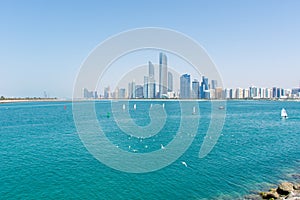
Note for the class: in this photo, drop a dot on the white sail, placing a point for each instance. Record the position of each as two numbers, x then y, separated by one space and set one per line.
134 106
283 113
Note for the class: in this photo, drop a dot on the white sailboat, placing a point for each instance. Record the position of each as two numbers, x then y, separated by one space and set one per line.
194 110
283 113
134 106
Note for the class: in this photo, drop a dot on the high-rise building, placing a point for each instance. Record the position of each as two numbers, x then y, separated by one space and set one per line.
246 93
296 92
106 92
214 84
278 92
151 82
204 89
122 93
85 93
139 91
268 93
145 88
219 94
239 93
170 82
274 92
163 75
195 89
227 93
232 94
185 86
131 90
262 93
212 94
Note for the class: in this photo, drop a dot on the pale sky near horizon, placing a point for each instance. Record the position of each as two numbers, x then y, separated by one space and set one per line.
43 43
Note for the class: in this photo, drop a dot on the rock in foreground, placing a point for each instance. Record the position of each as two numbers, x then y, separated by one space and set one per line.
285 190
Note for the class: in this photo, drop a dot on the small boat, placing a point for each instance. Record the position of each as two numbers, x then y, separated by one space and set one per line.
283 113
124 106
221 108
134 106
194 110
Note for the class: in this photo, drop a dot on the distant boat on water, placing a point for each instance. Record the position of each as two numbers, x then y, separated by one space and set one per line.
221 107
283 113
194 110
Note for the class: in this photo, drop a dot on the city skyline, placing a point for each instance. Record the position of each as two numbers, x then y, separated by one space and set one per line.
188 89
43 44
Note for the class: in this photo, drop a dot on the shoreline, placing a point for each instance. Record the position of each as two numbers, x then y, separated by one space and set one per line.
2 101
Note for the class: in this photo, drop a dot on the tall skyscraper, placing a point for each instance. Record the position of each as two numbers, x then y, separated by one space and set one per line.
122 93
170 82
185 86
163 75
195 89
87 93
106 92
145 88
274 92
204 89
138 91
151 82
131 90
214 84
279 92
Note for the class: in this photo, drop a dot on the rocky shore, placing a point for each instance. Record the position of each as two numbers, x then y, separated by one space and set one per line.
285 190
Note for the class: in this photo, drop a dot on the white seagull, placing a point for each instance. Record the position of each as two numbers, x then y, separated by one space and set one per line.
184 163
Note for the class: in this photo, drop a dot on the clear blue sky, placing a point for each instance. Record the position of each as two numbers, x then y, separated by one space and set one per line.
43 43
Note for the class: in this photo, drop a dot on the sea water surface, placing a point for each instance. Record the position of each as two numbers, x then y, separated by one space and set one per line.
42 156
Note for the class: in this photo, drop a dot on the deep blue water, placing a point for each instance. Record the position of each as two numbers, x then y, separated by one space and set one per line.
42 156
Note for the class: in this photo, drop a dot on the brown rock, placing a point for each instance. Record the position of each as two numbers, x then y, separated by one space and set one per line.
269 195
297 186
285 188
294 195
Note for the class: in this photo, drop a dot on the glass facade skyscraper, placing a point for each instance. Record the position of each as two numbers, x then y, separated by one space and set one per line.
195 89
131 90
170 82
214 84
204 89
185 86
145 88
163 75
151 81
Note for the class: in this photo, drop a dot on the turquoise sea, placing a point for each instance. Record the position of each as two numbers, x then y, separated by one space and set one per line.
42 156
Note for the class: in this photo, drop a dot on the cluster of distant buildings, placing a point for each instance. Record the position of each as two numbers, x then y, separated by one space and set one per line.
188 89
